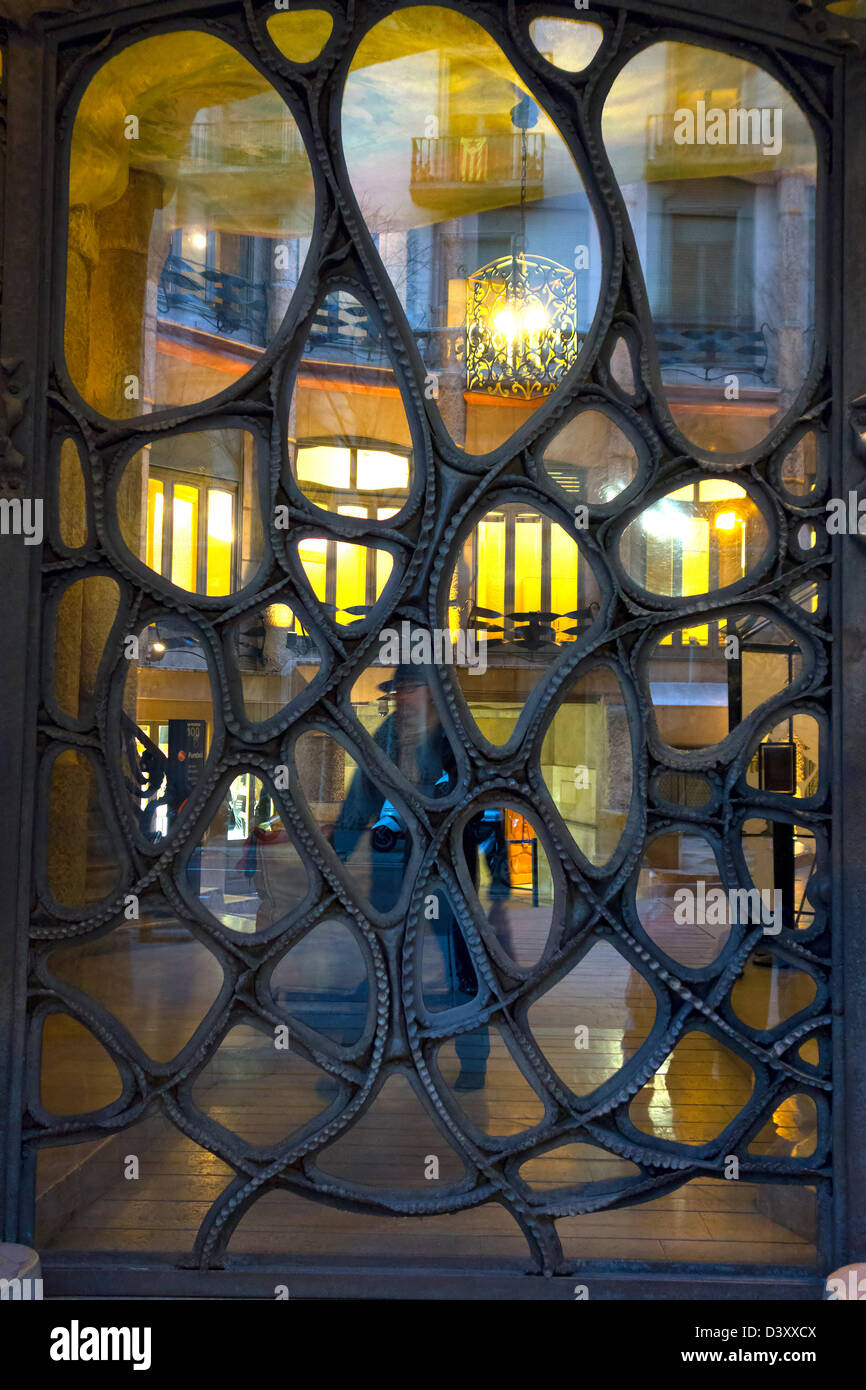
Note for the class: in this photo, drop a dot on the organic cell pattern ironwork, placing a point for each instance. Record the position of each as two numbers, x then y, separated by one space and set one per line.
596 891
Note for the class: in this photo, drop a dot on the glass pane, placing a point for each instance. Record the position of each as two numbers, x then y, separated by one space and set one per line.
791 1132
718 167
153 975
71 497
594 1019
591 459
396 706
81 856
702 687
569 44
78 1074
480 215
86 614
323 982
301 37
364 829
188 507
346 578
706 1221
510 871
276 659
85 1199
799 469
523 584
191 206
391 1144
770 991
482 1079
583 1166
166 724
680 900
677 1104
787 761
690 543
586 763
781 859
258 1091
349 440
247 872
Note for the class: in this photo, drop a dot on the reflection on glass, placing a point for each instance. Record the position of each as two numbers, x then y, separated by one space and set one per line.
323 982
86 615
350 446
781 858
85 1202
478 213
770 991
569 44
576 1165
259 1092
613 1006
522 582
81 858
366 830
684 789
78 1074
691 929
166 724
188 507
247 872
799 470
482 1078
395 705
347 578
390 1144
301 36
153 975
586 763
276 659
791 1132
191 206
511 873
591 458
699 695
675 1105
705 1221
718 167
704 536
787 760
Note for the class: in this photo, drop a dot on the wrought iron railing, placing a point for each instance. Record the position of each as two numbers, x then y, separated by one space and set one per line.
488 159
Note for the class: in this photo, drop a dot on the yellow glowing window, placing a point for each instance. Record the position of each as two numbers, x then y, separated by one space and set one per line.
351 576
155 519
382 471
383 513
683 494
324 465
220 537
527 565
491 564
719 490
313 554
184 548
563 574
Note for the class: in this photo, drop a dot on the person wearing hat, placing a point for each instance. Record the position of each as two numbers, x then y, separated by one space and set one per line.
415 741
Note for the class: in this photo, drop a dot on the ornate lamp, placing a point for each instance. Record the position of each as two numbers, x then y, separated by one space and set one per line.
521 310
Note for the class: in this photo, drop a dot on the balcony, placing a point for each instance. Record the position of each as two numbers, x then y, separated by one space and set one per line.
487 165
235 145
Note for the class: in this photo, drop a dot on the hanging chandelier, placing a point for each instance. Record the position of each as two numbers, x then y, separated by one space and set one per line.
521 336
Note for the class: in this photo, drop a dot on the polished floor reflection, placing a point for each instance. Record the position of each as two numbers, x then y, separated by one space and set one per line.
86 1200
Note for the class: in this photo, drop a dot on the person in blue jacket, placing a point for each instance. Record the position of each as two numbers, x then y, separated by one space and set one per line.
413 738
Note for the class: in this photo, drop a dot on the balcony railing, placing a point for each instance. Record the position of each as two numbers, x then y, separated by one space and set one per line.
710 353
245 144
479 159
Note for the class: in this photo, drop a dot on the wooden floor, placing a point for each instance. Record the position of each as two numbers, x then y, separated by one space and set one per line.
160 988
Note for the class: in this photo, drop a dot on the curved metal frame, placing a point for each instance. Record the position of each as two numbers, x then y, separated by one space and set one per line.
452 489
